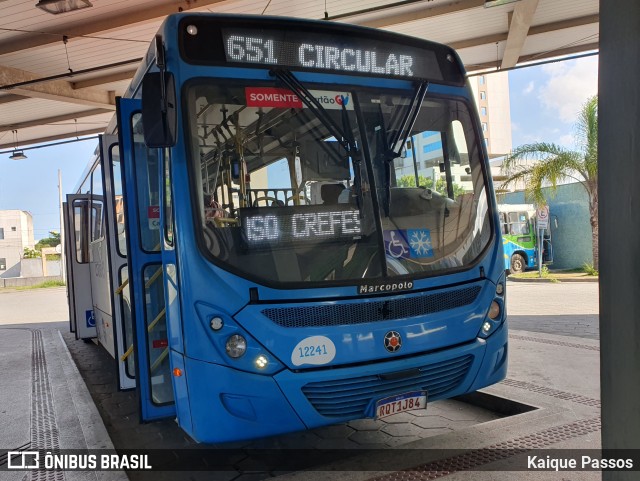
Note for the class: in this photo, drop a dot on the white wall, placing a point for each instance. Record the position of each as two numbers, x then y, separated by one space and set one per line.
17 226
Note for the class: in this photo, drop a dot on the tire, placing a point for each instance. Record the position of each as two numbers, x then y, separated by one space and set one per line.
517 264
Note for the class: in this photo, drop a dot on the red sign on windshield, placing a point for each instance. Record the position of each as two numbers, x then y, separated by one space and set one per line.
272 97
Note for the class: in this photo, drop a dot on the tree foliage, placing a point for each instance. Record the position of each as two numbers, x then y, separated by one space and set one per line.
441 184
541 164
51 241
31 253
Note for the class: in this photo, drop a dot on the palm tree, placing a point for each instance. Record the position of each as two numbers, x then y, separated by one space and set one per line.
555 164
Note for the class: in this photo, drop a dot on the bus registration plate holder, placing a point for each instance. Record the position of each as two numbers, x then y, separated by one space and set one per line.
408 401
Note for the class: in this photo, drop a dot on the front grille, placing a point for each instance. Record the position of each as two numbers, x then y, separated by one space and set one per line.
350 397
359 313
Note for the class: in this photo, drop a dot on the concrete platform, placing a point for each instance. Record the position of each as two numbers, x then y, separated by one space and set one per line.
549 405
45 404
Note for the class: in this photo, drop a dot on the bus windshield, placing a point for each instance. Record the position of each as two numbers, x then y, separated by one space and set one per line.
291 193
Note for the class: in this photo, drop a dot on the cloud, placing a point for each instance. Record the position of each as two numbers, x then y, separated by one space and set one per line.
529 88
569 85
567 141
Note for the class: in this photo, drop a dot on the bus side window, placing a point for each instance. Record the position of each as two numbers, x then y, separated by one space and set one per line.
505 225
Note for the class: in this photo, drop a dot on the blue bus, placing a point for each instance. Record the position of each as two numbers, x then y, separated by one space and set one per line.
520 238
242 245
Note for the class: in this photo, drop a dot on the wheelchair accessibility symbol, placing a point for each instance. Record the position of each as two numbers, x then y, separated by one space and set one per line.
91 319
397 246
408 243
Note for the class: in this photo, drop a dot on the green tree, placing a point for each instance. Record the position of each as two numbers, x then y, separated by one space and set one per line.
51 241
31 253
441 184
555 164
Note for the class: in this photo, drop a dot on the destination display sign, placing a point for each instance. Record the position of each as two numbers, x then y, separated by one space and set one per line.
267 226
328 52
307 45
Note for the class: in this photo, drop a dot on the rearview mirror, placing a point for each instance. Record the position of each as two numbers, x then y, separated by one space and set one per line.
159 109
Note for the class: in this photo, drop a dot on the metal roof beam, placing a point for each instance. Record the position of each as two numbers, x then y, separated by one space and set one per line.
104 79
490 67
5 99
153 11
518 29
413 15
53 120
51 138
59 90
537 30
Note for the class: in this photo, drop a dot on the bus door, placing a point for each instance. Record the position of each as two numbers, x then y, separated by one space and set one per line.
68 252
79 276
117 247
141 179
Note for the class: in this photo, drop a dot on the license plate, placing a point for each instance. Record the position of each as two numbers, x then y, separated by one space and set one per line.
400 403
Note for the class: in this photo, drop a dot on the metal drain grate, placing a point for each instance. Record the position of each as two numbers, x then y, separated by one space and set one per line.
44 429
555 343
567 396
4 456
496 452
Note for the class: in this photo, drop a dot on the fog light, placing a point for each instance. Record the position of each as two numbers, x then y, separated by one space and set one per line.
236 346
261 361
494 310
500 288
486 327
216 323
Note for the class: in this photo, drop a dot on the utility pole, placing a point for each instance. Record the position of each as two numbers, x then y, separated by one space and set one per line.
63 271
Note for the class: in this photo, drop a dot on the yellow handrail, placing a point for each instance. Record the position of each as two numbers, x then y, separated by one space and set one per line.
158 361
153 278
127 354
156 320
121 288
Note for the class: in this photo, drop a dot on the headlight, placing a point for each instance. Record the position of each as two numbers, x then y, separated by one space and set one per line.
261 361
494 310
236 346
216 323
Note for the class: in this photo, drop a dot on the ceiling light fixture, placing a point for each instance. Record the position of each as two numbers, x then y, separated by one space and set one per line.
496 3
62 6
17 155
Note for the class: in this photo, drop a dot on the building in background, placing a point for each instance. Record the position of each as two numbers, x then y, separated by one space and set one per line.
16 233
491 93
492 99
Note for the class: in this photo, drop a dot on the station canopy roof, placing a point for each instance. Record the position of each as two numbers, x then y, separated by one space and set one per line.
60 73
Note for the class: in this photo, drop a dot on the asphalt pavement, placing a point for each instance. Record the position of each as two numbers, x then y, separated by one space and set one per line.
550 399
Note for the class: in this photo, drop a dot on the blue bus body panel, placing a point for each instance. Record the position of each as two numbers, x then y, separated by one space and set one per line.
138 260
237 405
510 248
426 321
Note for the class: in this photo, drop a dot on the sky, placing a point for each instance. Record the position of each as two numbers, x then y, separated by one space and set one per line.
546 99
544 102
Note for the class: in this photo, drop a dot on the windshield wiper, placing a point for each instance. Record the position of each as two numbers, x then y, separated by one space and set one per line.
402 133
394 146
316 108
343 135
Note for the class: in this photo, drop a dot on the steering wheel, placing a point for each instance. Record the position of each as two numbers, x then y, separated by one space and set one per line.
265 198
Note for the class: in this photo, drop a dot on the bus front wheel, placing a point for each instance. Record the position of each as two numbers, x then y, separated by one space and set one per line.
517 264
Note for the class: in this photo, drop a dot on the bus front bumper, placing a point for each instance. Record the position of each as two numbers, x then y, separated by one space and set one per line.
230 405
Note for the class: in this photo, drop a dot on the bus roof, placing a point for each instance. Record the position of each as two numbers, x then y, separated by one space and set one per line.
530 208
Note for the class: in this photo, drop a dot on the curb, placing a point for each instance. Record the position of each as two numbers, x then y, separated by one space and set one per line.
553 279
